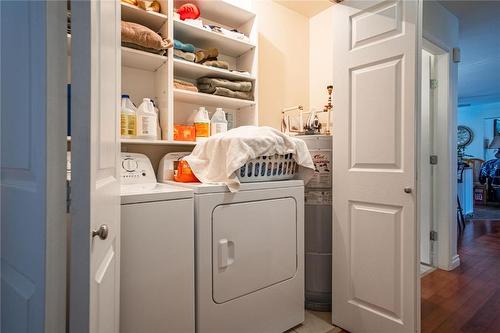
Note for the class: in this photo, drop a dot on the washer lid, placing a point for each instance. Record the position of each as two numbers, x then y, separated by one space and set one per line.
152 192
200 188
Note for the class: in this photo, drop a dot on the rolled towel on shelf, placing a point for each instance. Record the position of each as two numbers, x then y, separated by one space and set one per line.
188 56
208 84
183 46
208 54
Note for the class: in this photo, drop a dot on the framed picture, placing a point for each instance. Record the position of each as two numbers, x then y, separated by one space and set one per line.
496 127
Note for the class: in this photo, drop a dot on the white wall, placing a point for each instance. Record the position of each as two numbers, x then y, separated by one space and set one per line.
479 119
320 57
283 60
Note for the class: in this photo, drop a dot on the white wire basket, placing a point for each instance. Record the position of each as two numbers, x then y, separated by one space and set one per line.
268 168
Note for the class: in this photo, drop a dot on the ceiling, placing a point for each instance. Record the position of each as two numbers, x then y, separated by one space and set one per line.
307 8
479 69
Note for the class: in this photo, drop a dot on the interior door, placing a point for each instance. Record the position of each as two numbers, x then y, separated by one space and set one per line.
33 152
374 226
95 257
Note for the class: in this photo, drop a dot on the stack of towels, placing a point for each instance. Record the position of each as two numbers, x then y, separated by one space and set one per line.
206 57
227 88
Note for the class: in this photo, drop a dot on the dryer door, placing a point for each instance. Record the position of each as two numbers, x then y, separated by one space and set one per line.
254 246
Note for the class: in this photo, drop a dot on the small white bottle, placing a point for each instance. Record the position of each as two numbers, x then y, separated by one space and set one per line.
146 120
218 123
202 124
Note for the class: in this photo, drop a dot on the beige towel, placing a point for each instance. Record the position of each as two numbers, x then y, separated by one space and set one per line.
202 55
184 85
188 56
216 63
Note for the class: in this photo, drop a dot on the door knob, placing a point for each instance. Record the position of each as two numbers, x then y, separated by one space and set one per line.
407 190
102 232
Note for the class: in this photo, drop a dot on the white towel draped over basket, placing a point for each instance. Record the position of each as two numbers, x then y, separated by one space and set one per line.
218 159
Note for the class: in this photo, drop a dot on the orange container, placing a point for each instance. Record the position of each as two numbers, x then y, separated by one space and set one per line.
184 173
184 133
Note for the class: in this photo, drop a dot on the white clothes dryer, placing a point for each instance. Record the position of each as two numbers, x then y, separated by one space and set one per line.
157 252
249 257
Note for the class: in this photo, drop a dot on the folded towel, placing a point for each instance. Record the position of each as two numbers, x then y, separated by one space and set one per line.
217 159
137 34
150 6
185 85
208 84
184 55
202 55
183 46
220 91
145 49
216 63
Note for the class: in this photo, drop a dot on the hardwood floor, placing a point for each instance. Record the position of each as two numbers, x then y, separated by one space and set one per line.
466 299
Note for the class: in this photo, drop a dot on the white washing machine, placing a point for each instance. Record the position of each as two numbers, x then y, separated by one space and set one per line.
157 252
249 257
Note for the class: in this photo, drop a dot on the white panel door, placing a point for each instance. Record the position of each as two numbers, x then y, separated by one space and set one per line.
374 236
94 298
33 153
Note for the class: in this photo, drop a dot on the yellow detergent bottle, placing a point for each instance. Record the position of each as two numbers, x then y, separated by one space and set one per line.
128 124
202 124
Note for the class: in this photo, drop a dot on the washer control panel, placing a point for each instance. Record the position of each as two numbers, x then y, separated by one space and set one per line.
136 169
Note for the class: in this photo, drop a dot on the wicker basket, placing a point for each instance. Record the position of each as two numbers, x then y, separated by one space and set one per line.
268 168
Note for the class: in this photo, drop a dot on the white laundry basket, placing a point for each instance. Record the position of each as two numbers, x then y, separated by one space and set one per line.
268 168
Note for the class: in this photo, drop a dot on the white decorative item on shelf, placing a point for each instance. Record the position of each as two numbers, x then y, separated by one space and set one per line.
268 168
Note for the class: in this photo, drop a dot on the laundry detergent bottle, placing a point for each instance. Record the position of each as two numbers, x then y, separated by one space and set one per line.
218 123
147 120
128 114
202 124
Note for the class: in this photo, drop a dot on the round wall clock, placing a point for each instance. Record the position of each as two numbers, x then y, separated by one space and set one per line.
464 136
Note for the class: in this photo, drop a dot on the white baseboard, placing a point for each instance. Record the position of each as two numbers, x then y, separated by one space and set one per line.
455 262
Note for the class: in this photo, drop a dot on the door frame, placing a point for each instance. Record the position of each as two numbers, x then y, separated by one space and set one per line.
444 185
440 42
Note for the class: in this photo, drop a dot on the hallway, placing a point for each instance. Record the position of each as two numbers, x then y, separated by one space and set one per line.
466 299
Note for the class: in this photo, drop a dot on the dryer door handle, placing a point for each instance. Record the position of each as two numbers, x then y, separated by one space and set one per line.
226 253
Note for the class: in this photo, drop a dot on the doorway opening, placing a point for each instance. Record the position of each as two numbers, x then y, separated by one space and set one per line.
465 298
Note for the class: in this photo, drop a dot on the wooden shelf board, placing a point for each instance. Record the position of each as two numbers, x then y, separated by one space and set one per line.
156 142
142 60
193 70
203 38
152 20
210 100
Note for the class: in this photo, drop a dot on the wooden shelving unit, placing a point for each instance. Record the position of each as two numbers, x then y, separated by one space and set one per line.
151 75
